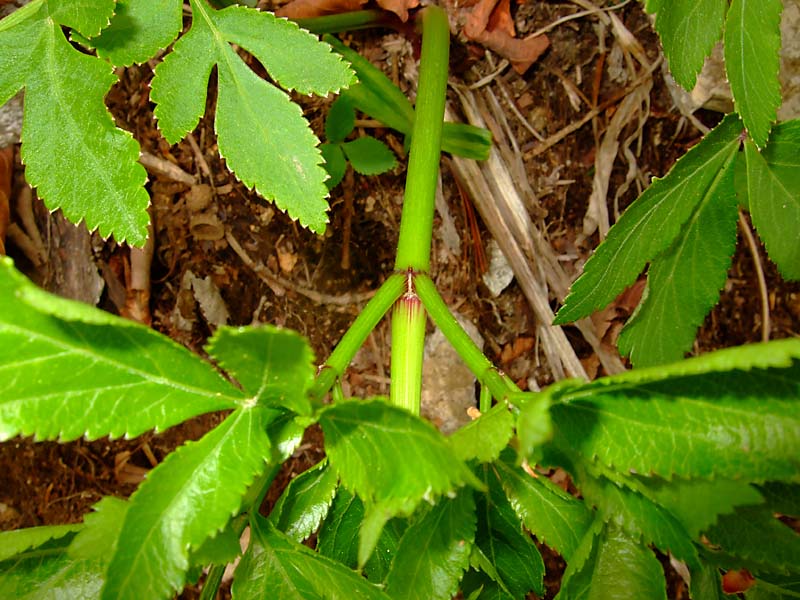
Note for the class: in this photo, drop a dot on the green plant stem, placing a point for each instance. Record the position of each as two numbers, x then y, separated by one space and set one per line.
211 584
497 383
349 21
408 340
354 338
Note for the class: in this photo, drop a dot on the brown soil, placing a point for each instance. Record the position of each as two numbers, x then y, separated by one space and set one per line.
48 483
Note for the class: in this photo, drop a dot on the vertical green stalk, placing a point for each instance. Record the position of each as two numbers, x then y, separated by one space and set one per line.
416 224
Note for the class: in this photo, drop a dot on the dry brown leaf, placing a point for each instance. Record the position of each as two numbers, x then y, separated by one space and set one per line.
6 174
399 7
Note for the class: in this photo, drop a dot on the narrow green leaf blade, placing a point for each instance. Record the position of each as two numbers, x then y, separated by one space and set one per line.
688 30
305 502
369 156
556 518
138 30
485 437
340 121
74 154
684 282
186 499
737 424
278 44
618 567
275 567
87 17
752 62
651 223
274 366
434 551
276 156
773 189
114 377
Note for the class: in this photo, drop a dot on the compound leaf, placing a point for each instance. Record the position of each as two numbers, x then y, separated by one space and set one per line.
434 551
688 30
87 17
88 373
305 502
369 443
138 30
182 502
552 515
274 366
736 424
485 437
773 189
74 154
651 224
369 156
684 282
275 567
752 62
261 133
617 566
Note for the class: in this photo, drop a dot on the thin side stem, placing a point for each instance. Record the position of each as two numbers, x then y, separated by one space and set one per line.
762 281
497 383
348 21
354 338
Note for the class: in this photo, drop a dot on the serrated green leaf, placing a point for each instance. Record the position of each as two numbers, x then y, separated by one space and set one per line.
773 189
617 567
369 444
534 426
222 549
187 498
369 156
689 29
138 30
706 583
517 564
556 518
275 567
340 121
775 587
87 17
754 539
684 282
47 572
335 163
274 366
485 437
434 551
20 540
305 502
752 62
336 540
74 154
737 424
114 377
477 585
651 223
98 537
639 517
783 498
697 503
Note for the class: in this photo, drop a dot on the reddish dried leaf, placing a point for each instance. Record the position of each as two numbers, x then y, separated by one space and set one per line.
500 19
307 9
6 174
735 582
399 7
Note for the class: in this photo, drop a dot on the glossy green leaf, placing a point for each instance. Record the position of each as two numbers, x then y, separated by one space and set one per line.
617 567
277 155
335 163
336 540
553 516
47 572
340 121
685 281
100 532
534 426
689 29
369 156
221 549
114 377
773 190
516 562
783 498
187 498
434 551
138 30
737 424
274 366
102 184
305 502
752 62
754 539
477 585
369 444
275 567
485 437
20 540
87 17
650 225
